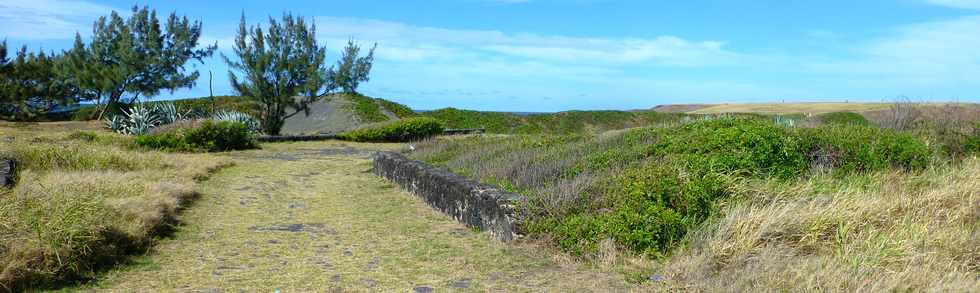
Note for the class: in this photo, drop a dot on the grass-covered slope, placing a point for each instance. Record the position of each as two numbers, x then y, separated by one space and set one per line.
84 201
686 194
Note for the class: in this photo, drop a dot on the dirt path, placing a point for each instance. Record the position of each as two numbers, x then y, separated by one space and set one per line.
305 217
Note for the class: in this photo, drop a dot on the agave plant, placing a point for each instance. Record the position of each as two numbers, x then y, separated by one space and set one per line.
168 113
115 123
236 116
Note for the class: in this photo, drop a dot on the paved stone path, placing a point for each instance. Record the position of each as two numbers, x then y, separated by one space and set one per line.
300 217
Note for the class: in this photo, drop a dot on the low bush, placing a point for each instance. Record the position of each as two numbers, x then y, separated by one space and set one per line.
844 118
851 148
745 146
210 136
409 129
973 141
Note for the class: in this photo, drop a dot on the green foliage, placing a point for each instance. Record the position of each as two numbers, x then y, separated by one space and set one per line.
210 136
352 69
972 144
173 141
276 66
851 148
134 56
493 122
409 129
30 86
844 118
740 145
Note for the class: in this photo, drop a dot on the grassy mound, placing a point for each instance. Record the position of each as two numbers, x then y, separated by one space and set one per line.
843 118
409 129
85 201
371 110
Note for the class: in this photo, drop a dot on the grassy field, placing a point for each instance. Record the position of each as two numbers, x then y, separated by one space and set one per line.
310 216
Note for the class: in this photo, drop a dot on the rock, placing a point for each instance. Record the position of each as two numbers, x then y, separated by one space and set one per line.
657 278
8 169
460 284
423 289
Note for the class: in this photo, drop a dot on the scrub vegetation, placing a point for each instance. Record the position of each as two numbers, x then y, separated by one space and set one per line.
697 197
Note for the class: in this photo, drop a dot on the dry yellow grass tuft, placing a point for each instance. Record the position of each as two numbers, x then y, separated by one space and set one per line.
884 232
84 201
789 108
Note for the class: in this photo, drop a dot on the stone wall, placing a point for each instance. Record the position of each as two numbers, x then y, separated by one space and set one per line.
476 205
8 168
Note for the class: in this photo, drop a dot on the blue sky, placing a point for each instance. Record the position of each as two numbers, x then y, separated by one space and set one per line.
551 55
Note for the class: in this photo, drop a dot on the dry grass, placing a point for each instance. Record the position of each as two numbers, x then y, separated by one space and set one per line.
881 232
83 202
354 232
790 108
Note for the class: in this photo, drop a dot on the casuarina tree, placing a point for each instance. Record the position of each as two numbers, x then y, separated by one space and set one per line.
352 69
129 58
281 69
29 86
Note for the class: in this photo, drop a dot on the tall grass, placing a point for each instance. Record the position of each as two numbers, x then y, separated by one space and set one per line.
885 231
85 200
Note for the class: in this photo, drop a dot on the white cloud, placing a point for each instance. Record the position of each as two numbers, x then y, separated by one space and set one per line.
965 4
407 42
929 54
48 19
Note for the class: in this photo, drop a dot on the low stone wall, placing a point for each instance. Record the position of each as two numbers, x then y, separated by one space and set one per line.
8 168
476 205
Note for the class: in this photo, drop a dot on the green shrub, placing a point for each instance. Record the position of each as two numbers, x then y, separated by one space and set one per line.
844 118
973 141
210 136
396 131
747 146
851 148
172 141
